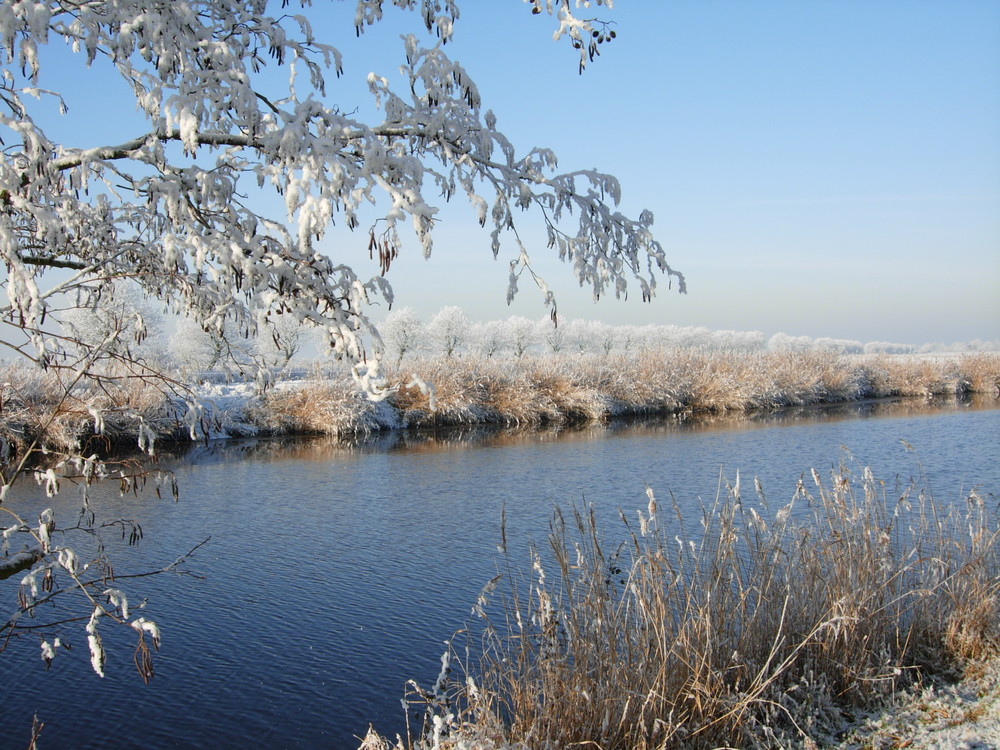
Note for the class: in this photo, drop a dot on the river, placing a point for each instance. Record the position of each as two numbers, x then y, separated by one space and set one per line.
334 572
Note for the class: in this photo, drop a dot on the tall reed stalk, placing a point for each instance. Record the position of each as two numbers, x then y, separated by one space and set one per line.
746 628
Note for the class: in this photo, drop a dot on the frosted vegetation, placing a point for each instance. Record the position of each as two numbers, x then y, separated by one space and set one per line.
229 157
448 371
449 332
215 214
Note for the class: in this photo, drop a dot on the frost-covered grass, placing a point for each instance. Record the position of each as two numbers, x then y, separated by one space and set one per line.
50 411
554 389
565 388
463 390
758 627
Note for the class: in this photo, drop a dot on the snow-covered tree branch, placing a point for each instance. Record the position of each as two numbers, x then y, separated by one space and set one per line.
217 187
169 208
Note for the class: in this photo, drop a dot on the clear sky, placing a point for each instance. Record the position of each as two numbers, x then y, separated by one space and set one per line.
817 167
822 168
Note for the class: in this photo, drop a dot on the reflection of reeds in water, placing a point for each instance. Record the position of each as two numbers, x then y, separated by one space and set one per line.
748 629
323 448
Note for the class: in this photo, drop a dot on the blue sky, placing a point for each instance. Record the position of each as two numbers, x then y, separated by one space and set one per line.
817 167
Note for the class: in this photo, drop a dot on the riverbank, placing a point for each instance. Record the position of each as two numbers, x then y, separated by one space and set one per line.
536 391
963 715
469 390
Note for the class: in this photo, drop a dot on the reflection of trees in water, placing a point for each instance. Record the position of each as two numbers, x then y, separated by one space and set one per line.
326 448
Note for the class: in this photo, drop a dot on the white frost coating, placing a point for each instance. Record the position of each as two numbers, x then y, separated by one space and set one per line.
68 560
97 656
118 600
179 225
782 516
424 387
142 625
49 479
220 204
9 532
147 438
30 581
46 523
98 418
49 650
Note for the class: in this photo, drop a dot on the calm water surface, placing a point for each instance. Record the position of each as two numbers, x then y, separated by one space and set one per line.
334 573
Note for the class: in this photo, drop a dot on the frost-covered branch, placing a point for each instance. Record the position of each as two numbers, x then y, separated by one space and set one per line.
173 198
219 206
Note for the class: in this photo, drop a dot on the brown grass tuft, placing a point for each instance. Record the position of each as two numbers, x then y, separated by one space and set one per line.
753 629
332 407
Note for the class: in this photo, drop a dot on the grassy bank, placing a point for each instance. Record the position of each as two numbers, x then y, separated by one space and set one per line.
530 391
758 627
574 388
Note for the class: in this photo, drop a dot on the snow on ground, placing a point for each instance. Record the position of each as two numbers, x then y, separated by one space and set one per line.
224 405
965 716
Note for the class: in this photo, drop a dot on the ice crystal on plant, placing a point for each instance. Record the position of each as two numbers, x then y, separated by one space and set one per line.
118 600
142 625
49 651
97 656
68 560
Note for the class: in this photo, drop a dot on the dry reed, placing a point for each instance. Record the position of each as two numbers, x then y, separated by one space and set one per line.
467 390
564 388
753 629
331 407
54 413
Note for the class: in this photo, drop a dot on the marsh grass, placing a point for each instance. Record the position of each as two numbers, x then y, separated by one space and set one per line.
54 413
39 408
743 628
557 389
332 406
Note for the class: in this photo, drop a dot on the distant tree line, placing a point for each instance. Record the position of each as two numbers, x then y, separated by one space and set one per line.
139 326
450 333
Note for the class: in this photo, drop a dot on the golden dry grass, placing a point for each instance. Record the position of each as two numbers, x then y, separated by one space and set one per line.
568 388
752 629
330 407
590 387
